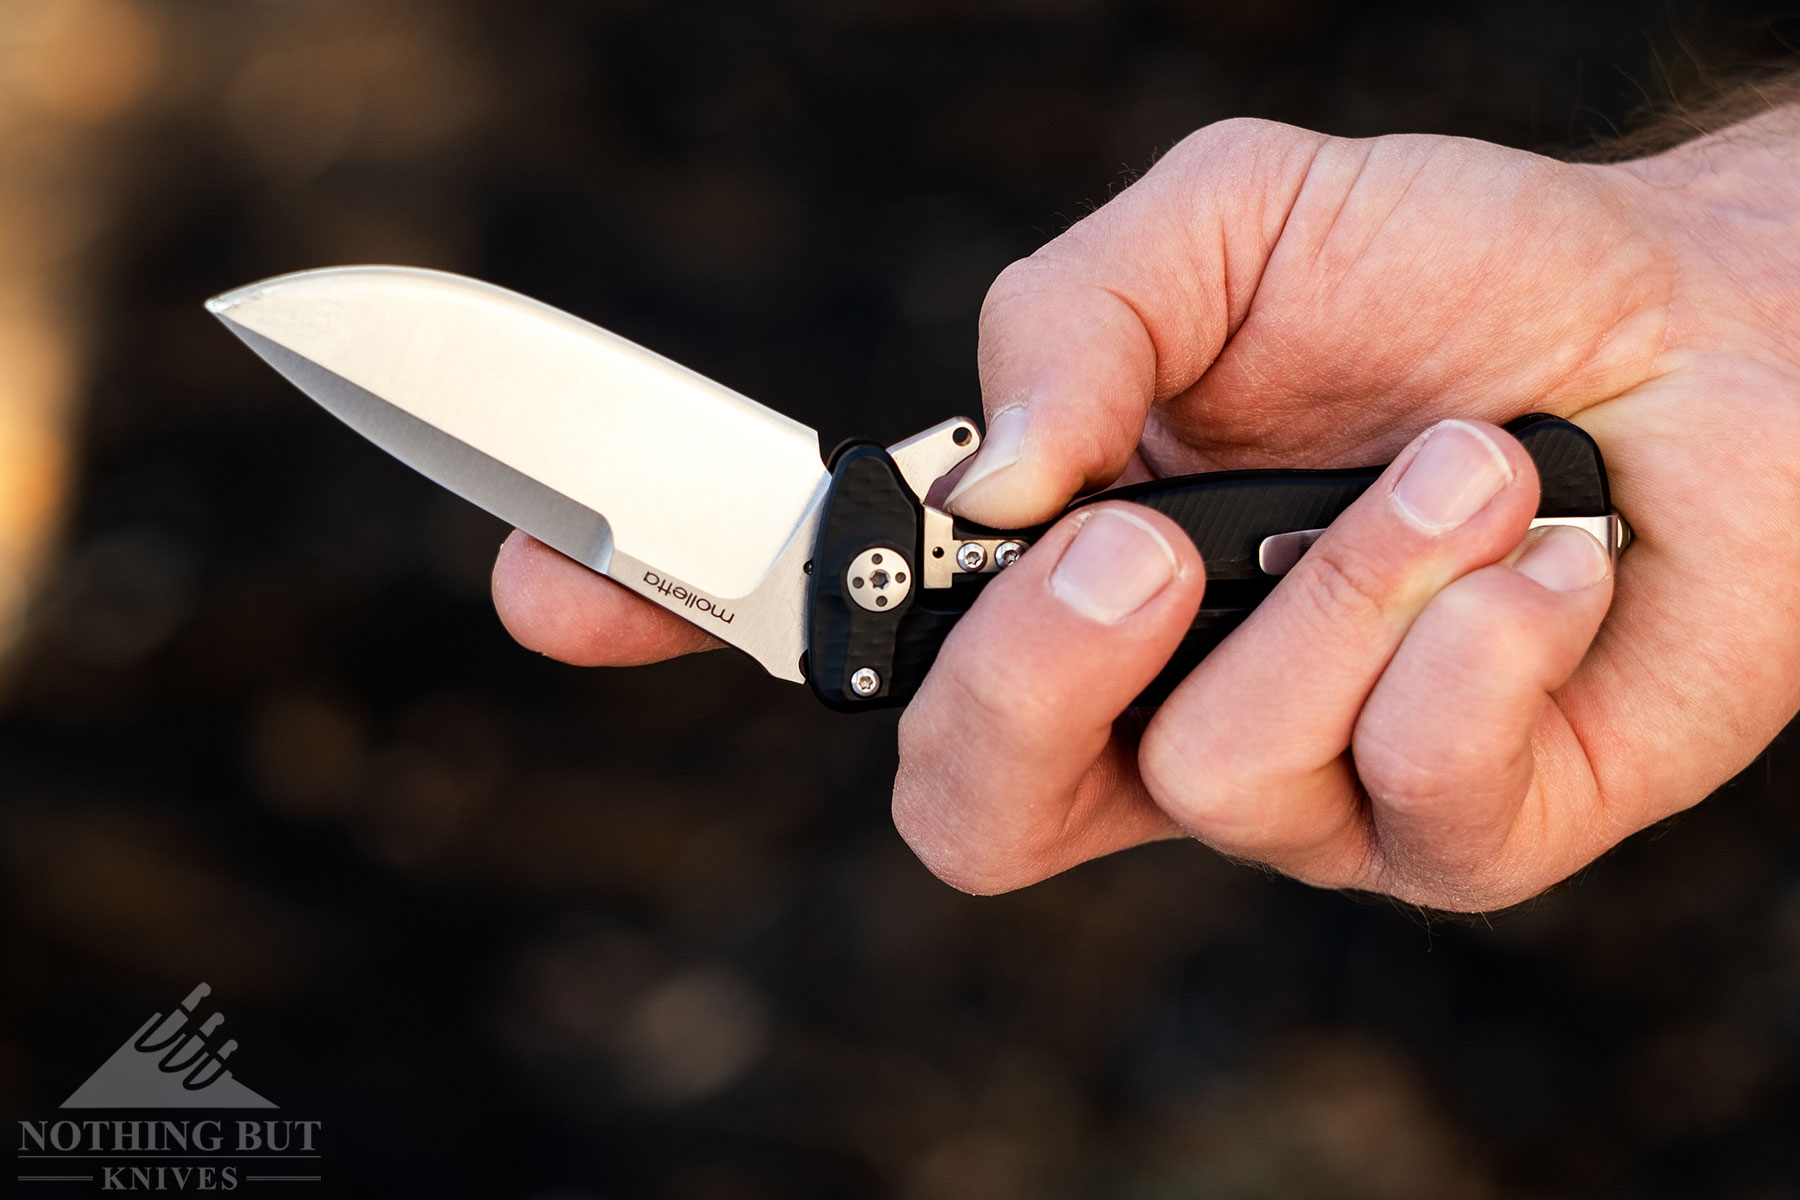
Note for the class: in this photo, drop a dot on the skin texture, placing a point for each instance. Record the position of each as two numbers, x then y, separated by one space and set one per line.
1414 711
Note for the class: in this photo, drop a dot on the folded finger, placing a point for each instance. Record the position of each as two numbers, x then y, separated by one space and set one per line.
1249 752
1009 770
556 606
1459 735
1126 309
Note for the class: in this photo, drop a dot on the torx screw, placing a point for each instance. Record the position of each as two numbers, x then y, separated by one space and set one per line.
1007 553
878 579
971 557
865 682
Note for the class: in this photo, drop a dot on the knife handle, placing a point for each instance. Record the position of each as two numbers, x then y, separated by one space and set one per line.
862 656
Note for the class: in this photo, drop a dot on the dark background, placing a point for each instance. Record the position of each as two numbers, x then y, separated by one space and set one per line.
514 929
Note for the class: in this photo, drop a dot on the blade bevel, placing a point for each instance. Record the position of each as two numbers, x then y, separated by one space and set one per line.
674 486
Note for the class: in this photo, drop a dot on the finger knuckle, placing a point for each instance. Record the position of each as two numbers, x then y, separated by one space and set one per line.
953 860
1340 585
1018 279
977 874
1201 790
1249 154
1233 135
1435 849
985 693
954 840
1169 775
1402 780
944 806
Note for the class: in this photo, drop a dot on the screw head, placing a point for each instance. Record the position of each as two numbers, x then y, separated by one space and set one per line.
878 579
1007 553
865 682
971 557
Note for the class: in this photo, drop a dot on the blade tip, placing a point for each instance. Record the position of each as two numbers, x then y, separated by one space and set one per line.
221 305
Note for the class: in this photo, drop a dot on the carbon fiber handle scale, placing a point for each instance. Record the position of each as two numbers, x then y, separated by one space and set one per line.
1227 514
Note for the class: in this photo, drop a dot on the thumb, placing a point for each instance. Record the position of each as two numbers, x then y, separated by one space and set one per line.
1125 310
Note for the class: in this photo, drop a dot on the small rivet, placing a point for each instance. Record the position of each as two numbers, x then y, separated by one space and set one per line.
881 602
1007 553
857 582
937 552
876 559
865 682
971 557
900 577
961 435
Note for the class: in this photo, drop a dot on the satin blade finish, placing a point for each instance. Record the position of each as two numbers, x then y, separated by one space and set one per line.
675 486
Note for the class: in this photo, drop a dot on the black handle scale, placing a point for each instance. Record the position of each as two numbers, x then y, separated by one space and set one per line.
1226 513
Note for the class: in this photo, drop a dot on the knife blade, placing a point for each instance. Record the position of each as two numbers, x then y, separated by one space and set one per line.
675 486
837 573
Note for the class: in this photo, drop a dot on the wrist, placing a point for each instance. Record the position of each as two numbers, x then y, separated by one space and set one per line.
1731 199
1750 164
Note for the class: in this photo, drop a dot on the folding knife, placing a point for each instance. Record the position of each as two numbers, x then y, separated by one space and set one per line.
832 571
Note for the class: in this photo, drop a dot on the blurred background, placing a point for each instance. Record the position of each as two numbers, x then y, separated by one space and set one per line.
512 929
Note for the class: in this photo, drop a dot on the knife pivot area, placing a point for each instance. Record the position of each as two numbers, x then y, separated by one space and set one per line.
879 578
871 634
857 607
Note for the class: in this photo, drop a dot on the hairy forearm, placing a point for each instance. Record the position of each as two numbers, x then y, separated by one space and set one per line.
1753 161
1687 120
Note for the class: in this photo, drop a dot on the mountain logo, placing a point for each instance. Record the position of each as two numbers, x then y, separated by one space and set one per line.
206 1132
170 1062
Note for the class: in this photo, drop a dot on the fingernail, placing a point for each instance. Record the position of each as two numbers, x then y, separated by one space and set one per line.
1456 470
999 450
1563 559
1115 565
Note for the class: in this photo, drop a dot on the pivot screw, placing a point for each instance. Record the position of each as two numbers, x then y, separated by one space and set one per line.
971 557
878 579
1007 553
865 682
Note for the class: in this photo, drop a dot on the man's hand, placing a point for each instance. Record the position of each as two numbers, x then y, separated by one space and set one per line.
1427 706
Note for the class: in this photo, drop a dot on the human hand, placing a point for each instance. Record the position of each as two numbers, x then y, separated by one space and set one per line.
1417 710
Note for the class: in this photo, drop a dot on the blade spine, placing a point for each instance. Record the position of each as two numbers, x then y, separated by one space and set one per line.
226 301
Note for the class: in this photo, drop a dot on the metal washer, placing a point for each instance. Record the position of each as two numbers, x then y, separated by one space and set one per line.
878 579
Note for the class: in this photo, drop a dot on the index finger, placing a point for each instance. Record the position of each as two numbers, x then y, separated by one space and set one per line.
1129 307
556 606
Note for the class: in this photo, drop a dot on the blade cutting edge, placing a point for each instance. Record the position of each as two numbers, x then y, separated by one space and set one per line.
675 486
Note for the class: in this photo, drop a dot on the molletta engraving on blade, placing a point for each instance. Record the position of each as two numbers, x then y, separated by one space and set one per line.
769 623
688 598
567 431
